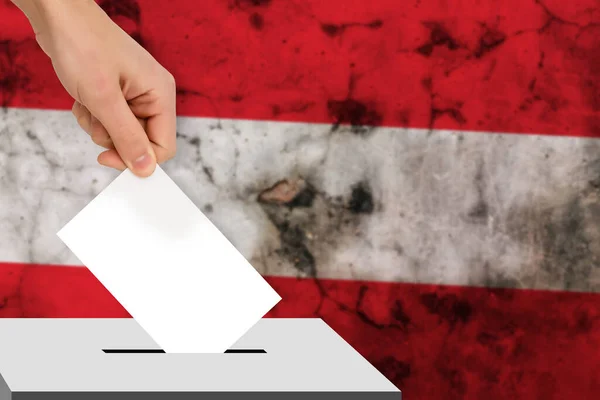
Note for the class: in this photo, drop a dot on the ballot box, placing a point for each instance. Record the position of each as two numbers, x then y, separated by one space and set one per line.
102 359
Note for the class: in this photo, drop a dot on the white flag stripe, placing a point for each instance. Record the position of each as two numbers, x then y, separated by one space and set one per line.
392 204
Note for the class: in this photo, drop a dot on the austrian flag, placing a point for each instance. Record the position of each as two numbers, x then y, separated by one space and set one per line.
422 175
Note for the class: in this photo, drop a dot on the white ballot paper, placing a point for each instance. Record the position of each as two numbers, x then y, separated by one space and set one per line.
168 265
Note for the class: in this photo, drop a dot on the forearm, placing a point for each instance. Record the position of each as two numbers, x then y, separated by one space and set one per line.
37 11
46 15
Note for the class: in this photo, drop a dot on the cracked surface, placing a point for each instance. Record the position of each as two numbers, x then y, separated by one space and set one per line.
520 66
404 205
390 187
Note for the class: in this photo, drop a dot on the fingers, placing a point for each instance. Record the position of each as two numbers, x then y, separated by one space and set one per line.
112 159
100 136
82 115
160 111
92 126
109 158
128 136
132 142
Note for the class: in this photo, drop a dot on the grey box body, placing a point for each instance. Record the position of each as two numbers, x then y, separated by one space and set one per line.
44 359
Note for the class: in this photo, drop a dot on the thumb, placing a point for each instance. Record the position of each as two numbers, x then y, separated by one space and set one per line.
128 136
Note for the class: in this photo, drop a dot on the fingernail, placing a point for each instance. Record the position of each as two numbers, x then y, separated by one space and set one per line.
142 163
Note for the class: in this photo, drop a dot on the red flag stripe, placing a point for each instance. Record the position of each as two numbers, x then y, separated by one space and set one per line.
514 66
511 66
464 342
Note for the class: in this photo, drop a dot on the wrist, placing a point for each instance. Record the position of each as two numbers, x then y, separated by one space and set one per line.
37 11
46 16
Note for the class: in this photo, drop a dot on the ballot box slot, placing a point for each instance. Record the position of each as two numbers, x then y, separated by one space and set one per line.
160 351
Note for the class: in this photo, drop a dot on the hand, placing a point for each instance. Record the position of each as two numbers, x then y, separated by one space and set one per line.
124 99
